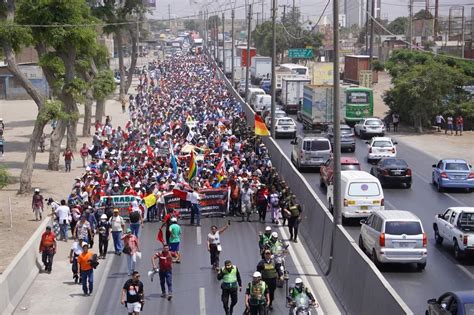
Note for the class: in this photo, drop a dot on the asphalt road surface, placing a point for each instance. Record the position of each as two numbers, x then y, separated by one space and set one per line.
195 287
443 272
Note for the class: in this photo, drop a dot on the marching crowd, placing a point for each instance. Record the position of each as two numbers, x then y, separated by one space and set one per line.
186 133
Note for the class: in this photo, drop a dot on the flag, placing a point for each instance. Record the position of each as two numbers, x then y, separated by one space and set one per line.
220 169
150 152
192 167
159 236
260 128
174 161
183 195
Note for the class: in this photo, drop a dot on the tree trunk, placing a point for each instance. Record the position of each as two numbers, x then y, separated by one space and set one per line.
55 147
99 110
418 124
133 62
71 140
118 37
86 127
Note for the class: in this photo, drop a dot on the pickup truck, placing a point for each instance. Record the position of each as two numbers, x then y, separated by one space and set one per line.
456 227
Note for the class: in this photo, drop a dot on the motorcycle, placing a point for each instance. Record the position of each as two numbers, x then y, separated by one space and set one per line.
279 251
301 305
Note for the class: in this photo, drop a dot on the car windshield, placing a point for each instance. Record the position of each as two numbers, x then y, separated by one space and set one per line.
403 227
373 122
457 167
346 131
466 221
350 167
365 189
469 308
280 115
382 144
316 145
286 122
394 163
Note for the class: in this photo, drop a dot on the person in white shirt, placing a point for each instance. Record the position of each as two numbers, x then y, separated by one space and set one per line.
118 225
194 198
63 213
75 251
214 244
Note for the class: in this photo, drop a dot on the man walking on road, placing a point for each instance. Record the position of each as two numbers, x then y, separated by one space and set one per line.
294 218
449 121
68 157
87 271
257 297
459 124
175 238
63 212
48 249
231 280
195 209
165 264
133 295
37 205
118 225
84 152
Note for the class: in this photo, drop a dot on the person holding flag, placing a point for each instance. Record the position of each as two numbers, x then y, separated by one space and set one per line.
192 167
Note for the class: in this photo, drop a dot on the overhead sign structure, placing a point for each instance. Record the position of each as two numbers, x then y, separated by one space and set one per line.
302 53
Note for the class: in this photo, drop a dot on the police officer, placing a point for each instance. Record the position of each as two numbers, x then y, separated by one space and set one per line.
264 239
294 219
257 297
297 290
231 280
270 271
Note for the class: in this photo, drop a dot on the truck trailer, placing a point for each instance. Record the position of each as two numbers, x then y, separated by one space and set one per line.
292 93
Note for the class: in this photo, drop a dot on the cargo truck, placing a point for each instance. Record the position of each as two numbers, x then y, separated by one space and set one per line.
317 111
292 93
261 67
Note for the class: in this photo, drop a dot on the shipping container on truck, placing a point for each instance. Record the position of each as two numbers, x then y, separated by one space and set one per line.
292 93
317 110
241 51
261 67
289 70
353 64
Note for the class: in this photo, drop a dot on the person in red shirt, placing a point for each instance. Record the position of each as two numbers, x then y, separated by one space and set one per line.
68 157
459 125
84 151
48 249
165 270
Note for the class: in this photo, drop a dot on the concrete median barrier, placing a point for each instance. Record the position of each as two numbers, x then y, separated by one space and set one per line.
21 272
358 284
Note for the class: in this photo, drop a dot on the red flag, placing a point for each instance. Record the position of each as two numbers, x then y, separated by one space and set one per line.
180 194
159 236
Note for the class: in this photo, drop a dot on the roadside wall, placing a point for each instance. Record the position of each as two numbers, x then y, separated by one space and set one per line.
21 272
358 284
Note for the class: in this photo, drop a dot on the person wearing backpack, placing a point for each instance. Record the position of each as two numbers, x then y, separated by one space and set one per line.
262 202
136 219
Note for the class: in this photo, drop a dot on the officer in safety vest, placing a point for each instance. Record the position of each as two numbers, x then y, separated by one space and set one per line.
270 271
264 238
257 297
230 277
294 218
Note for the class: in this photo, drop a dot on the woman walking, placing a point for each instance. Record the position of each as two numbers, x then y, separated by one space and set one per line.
214 244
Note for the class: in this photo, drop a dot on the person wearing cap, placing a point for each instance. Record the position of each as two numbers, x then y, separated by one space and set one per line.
37 205
264 239
47 249
63 213
297 290
87 271
117 223
271 271
103 228
175 238
76 250
133 295
257 296
130 249
231 281
165 264
136 218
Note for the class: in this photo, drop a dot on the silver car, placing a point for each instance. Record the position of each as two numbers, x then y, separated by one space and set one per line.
394 236
310 151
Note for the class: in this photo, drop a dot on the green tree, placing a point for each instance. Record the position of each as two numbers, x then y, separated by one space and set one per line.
4 177
398 26
423 15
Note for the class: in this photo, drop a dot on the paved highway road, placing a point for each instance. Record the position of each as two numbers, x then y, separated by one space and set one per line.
196 289
443 272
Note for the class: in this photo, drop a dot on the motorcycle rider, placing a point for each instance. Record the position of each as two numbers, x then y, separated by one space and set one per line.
257 296
271 272
295 291
275 245
264 238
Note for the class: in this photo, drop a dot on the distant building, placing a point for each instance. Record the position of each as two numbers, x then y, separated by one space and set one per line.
355 11
10 87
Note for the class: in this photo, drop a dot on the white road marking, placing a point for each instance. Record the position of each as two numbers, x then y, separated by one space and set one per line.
202 301
455 200
467 272
391 205
198 235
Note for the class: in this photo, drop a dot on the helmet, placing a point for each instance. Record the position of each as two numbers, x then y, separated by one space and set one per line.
275 234
173 219
298 281
268 229
257 274
104 216
37 190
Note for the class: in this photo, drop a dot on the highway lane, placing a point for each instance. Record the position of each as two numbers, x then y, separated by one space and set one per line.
443 272
196 289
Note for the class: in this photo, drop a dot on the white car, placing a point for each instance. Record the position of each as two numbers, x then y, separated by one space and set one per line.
285 126
369 127
381 147
278 114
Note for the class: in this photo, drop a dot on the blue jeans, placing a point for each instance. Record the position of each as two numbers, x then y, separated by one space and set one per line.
87 275
63 227
166 276
130 264
135 227
117 235
195 212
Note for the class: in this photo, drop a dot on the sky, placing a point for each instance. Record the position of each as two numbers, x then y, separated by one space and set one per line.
309 8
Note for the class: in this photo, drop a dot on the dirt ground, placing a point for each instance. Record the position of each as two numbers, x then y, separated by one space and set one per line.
18 117
380 109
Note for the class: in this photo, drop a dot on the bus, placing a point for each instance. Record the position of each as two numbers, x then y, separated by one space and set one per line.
359 104
294 69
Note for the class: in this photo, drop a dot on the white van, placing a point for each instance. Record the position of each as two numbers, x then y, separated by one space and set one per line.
361 193
261 103
253 92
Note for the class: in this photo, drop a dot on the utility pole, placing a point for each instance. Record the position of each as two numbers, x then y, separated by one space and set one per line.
366 26
223 43
372 22
263 14
257 19
274 9
410 23
169 16
217 38
462 33
233 47
247 75
436 18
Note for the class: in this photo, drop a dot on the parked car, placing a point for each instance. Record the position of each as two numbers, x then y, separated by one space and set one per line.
369 127
453 173
381 147
347 137
459 303
361 193
310 151
285 126
456 227
278 114
326 171
394 236
392 171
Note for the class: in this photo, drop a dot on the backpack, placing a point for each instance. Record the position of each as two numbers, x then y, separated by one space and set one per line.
261 198
134 216
94 262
